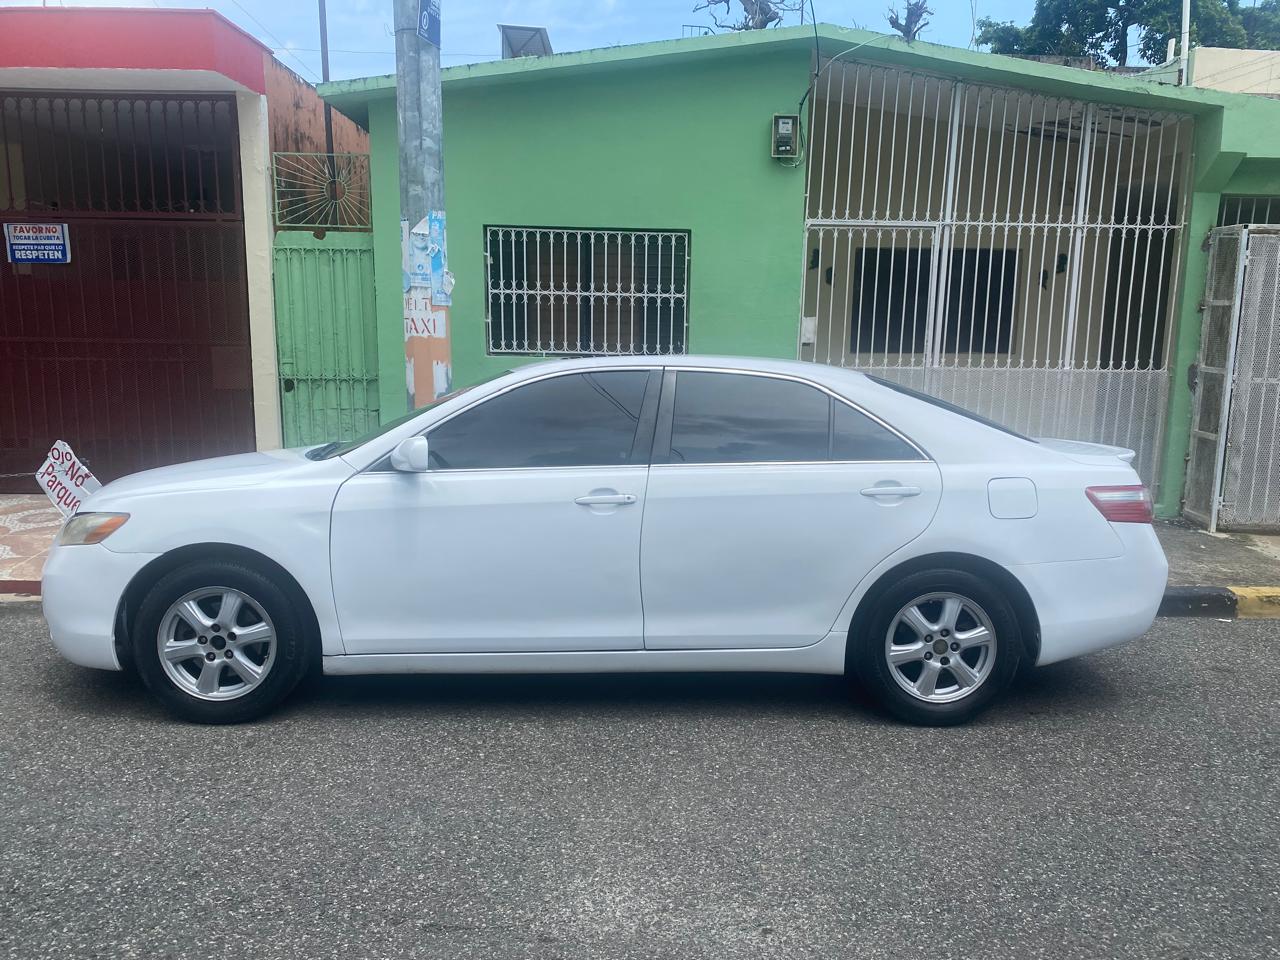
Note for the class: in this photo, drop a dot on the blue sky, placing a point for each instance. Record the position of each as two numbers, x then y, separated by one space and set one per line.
361 42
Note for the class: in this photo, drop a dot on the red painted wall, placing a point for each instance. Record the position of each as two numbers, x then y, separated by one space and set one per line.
295 114
137 39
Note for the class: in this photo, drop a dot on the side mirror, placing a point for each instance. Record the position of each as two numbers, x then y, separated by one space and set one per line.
410 455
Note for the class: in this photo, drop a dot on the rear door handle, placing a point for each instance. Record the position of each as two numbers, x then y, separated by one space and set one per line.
894 491
605 498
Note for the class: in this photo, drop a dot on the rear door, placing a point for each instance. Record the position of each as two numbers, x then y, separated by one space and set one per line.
768 500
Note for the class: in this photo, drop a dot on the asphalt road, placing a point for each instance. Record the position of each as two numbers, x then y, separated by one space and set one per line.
1124 805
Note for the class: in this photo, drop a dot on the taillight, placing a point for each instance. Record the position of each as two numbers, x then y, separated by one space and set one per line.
1127 504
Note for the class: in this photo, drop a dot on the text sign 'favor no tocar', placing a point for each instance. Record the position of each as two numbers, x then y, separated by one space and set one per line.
37 243
65 479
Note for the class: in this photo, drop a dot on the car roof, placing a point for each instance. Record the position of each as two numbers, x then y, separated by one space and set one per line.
819 372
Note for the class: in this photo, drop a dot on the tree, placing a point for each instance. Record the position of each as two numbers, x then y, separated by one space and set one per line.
756 14
1262 24
912 21
1101 28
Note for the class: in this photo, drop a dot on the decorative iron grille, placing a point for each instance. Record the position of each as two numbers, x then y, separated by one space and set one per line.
322 190
565 291
1015 253
70 155
1248 209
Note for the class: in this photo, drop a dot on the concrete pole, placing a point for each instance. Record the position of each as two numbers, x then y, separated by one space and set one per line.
1186 43
427 284
324 78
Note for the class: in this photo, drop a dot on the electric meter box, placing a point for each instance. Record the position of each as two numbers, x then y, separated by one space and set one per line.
786 135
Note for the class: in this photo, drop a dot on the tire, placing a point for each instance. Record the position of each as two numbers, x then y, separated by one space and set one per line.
930 683
210 675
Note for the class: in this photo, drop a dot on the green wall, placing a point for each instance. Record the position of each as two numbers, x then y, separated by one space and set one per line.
384 185
682 148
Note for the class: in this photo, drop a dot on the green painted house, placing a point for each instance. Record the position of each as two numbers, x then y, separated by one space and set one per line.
1023 239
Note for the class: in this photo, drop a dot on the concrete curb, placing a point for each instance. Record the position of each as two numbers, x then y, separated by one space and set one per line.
1226 603
20 586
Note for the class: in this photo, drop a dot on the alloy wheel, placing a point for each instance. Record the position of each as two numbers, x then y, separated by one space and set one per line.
216 643
940 647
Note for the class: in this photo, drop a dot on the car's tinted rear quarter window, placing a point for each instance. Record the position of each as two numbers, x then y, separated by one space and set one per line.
855 436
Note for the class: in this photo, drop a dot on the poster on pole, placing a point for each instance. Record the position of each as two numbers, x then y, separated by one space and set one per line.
427 299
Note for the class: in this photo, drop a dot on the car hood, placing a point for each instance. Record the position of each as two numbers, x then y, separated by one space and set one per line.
220 473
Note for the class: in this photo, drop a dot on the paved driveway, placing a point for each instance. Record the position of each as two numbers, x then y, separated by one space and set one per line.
1125 805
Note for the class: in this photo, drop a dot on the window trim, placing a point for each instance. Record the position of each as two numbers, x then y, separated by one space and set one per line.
661 456
640 457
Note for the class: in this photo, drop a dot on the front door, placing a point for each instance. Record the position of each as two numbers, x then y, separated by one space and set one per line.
768 501
524 536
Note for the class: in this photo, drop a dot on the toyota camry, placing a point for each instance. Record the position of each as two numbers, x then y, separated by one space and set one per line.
614 515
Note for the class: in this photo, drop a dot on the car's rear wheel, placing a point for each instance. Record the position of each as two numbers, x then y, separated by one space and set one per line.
219 642
938 647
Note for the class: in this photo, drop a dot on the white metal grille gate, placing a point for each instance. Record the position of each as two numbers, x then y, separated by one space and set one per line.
1233 471
1015 253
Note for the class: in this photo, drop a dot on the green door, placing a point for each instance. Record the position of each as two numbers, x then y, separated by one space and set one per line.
326 335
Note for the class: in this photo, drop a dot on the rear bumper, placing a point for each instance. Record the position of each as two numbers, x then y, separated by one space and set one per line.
82 589
1090 605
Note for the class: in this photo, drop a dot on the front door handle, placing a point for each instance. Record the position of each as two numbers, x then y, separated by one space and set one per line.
892 491
599 499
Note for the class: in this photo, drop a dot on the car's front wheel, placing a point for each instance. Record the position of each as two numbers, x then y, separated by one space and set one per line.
219 642
938 647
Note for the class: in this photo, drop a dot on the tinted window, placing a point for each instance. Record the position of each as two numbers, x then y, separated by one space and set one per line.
731 418
855 436
584 419
949 407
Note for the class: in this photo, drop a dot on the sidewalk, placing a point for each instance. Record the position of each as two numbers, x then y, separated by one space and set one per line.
1209 575
1231 559
1220 575
28 525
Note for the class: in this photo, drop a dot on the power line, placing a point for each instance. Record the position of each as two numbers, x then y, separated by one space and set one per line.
282 45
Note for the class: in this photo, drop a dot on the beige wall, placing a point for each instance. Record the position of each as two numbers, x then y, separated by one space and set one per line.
1237 71
255 175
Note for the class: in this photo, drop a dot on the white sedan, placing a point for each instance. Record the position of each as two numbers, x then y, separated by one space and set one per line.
613 515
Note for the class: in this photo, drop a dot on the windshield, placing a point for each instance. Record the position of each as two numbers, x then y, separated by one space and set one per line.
927 398
337 448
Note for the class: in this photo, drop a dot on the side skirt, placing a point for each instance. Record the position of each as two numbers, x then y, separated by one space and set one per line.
825 656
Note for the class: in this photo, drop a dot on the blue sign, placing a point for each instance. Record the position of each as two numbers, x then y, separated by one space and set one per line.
429 21
37 242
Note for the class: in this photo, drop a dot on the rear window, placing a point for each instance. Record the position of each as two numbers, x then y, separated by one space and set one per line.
949 407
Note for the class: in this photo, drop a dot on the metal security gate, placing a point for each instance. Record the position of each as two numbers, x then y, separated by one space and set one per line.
137 351
1014 253
326 329
1233 469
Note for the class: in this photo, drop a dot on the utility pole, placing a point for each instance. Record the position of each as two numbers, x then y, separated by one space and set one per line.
1186 43
427 282
324 78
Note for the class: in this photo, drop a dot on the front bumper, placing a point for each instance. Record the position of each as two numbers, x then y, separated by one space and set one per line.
1090 605
81 592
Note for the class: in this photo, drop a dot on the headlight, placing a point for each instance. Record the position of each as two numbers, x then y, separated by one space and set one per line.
90 528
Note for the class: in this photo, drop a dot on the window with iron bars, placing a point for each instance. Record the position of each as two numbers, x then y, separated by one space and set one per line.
556 290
